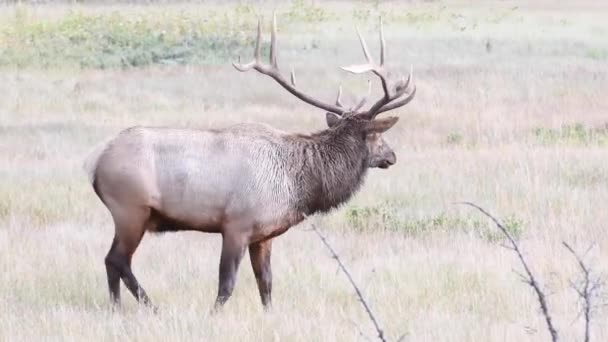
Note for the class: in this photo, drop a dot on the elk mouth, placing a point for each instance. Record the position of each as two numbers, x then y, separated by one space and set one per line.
385 164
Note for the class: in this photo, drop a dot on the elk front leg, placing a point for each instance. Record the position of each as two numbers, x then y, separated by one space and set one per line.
259 253
232 253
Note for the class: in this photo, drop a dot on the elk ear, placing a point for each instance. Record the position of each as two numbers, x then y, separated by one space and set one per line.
381 125
332 119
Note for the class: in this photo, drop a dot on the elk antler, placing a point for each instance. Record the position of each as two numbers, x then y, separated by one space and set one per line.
272 70
400 88
391 99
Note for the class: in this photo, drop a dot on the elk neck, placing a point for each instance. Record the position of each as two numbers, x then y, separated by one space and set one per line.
329 168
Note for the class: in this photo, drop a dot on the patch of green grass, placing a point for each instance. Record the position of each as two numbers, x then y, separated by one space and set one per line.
597 54
244 10
303 11
454 139
362 13
501 15
576 134
389 216
513 225
122 40
5 208
117 40
410 17
416 17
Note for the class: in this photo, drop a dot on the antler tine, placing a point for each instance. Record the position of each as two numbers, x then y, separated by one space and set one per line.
386 103
403 101
410 77
293 77
339 97
404 83
400 88
273 42
242 67
371 66
368 57
382 44
256 53
258 39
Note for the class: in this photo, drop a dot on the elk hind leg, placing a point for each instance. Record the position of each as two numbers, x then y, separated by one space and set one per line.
118 261
259 253
113 273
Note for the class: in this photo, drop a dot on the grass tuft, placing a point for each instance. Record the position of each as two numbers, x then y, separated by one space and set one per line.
390 216
577 134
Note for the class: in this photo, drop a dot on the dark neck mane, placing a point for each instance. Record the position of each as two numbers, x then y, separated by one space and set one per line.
332 166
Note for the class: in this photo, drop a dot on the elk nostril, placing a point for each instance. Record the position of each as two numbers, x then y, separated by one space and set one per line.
392 159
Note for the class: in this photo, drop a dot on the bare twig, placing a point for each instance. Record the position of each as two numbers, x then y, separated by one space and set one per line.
402 338
352 282
529 277
361 333
587 289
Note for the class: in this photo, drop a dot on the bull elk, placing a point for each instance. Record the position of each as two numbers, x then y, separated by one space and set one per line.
248 182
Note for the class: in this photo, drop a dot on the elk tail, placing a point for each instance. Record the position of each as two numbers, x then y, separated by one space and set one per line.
90 163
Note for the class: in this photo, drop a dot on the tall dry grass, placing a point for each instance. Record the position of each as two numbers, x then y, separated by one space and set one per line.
510 113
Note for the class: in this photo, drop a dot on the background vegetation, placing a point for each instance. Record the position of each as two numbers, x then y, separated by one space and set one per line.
510 113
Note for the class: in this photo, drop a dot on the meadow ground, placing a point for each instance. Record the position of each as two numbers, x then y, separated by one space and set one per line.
511 113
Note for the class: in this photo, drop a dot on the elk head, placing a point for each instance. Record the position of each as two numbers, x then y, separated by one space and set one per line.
395 94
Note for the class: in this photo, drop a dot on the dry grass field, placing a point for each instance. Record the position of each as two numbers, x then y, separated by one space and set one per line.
511 113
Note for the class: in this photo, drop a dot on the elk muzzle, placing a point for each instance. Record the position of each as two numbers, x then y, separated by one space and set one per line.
388 161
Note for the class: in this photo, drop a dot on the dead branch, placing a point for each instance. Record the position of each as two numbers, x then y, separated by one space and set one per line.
529 277
588 289
352 282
